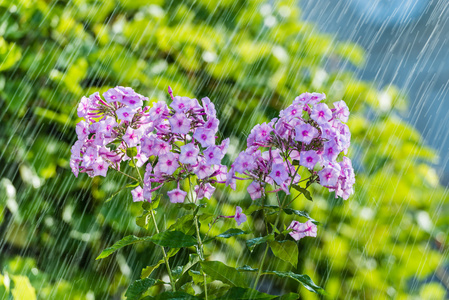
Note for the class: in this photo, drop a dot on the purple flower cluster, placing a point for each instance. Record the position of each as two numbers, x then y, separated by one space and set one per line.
119 118
308 132
181 138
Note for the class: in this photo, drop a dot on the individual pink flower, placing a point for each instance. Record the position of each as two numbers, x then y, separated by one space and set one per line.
316 97
189 154
106 126
203 170
125 114
305 133
140 157
147 145
83 107
341 111
177 195
204 191
113 95
131 137
302 99
137 194
133 101
279 173
260 134
89 157
309 159
293 111
180 123
82 129
181 104
328 176
331 151
244 162
255 190
100 167
161 147
239 217
168 163
213 155
209 107
321 113
158 111
205 137
212 124
301 230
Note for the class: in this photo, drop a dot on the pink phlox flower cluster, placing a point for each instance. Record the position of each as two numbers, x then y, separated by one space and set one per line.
183 138
119 117
180 138
308 132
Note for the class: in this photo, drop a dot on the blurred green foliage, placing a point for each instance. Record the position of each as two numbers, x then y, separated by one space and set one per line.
251 58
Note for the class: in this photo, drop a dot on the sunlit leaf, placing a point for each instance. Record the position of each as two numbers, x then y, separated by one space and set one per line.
128 240
285 250
173 239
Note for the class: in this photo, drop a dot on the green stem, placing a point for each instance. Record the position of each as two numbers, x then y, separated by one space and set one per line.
126 174
200 248
172 281
167 265
200 253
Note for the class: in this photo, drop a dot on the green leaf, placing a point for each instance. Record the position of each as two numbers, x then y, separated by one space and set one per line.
219 271
138 287
285 250
239 293
252 243
128 240
149 269
304 191
305 280
184 224
22 288
131 151
142 220
300 213
173 239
